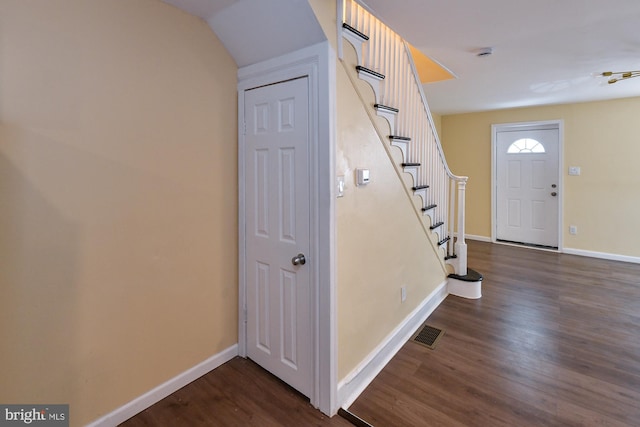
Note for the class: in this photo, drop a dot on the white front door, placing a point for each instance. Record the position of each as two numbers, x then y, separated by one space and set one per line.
277 230
527 186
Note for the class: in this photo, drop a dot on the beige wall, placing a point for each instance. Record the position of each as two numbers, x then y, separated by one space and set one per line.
325 11
382 244
600 137
118 200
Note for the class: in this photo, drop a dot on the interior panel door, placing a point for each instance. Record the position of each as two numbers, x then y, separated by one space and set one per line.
277 230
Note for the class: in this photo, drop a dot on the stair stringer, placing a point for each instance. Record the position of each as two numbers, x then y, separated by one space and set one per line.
413 171
439 231
373 81
422 193
401 144
356 41
391 119
383 126
429 213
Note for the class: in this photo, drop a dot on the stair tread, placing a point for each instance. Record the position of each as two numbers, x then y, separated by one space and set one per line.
400 138
376 74
436 225
443 241
385 107
428 208
419 187
471 276
355 31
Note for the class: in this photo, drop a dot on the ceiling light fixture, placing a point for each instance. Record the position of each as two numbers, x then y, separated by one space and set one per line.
617 76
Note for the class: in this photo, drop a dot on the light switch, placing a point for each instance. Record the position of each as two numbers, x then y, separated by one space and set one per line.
574 170
340 184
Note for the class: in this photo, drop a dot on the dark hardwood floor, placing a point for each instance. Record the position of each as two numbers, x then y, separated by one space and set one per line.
238 393
554 341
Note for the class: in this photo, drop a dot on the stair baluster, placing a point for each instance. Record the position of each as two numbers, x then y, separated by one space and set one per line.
400 99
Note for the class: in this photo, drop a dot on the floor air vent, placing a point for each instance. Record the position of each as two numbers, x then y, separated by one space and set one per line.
428 336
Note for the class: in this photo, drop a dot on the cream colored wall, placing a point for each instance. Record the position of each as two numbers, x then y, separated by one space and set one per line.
325 11
118 200
381 242
600 137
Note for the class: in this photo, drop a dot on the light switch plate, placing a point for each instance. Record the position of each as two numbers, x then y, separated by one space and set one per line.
574 170
340 186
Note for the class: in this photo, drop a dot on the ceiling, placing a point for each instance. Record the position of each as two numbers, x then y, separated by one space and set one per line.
257 30
544 51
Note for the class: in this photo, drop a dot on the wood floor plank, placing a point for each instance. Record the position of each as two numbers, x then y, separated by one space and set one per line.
555 340
238 393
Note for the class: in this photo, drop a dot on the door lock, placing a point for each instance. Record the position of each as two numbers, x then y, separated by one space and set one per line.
554 194
298 260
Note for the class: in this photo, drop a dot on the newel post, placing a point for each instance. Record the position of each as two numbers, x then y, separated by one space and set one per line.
461 246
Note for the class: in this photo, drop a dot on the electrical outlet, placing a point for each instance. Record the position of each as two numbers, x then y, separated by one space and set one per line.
403 293
573 229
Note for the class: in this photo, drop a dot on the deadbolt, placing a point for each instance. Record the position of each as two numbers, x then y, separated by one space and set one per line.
553 186
298 260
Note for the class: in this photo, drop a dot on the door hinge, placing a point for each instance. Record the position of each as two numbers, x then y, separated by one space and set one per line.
244 314
244 128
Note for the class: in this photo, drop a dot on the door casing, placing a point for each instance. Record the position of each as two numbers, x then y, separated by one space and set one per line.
318 64
522 126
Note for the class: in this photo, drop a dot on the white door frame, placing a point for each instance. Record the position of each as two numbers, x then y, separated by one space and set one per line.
547 124
318 64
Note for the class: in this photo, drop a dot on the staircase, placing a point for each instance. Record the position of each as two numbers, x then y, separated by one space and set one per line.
384 61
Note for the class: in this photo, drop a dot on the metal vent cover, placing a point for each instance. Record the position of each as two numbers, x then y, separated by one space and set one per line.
428 336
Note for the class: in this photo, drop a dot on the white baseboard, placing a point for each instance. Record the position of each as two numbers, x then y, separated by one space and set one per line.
350 388
141 403
571 251
474 237
602 255
478 238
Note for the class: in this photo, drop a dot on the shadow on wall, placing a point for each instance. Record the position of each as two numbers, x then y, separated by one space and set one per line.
38 257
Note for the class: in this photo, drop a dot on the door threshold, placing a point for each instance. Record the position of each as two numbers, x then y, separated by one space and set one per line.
529 245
